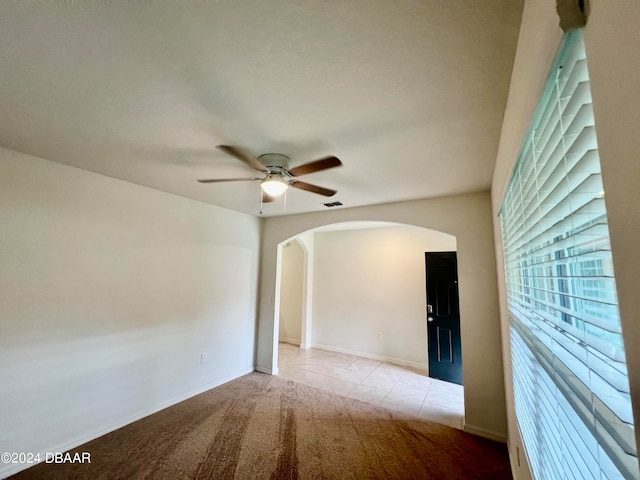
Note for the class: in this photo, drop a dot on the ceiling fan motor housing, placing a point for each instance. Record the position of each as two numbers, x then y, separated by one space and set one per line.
275 162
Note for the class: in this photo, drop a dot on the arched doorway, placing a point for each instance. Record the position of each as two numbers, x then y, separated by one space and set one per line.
467 217
371 271
366 316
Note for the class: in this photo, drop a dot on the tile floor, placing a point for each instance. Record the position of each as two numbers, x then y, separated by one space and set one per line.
392 386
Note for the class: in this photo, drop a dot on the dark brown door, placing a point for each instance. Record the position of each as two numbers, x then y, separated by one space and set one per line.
443 317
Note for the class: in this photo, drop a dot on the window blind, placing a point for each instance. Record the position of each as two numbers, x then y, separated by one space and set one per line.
571 389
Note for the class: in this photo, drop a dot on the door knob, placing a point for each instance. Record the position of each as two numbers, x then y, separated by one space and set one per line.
429 319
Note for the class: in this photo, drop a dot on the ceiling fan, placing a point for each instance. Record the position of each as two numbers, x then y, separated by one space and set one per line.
276 174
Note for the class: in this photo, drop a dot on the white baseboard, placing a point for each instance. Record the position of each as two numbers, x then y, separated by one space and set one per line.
7 470
266 370
380 358
483 432
292 341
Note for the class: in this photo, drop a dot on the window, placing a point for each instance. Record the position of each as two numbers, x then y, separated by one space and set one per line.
569 372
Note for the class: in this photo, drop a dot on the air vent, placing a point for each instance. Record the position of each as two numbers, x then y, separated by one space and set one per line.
332 204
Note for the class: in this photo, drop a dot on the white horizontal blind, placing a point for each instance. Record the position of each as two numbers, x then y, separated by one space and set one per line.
570 378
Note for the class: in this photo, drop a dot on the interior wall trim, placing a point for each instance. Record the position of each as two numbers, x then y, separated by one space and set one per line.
381 358
266 370
485 433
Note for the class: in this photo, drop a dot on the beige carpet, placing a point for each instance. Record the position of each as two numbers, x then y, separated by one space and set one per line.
265 427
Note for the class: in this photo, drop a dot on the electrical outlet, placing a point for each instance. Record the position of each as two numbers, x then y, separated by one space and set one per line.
203 358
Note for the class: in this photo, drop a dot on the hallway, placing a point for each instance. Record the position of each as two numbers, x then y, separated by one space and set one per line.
392 386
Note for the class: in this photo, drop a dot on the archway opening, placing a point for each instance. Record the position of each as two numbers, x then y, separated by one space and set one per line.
354 293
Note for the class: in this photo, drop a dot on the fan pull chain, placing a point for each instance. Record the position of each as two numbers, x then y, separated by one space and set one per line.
261 203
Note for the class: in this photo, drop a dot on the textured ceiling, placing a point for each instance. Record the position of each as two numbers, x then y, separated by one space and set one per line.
409 95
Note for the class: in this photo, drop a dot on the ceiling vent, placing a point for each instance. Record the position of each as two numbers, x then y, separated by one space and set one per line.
332 204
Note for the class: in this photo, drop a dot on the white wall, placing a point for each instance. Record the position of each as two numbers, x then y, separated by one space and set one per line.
291 292
468 218
306 242
372 281
611 38
109 293
539 38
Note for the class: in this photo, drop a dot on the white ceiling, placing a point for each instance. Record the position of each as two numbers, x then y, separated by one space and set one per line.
409 95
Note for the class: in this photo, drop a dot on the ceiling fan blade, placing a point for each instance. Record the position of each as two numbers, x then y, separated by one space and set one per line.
243 157
316 166
327 192
218 180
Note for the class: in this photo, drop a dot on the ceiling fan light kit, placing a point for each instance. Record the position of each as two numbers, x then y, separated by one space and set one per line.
274 185
278 177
